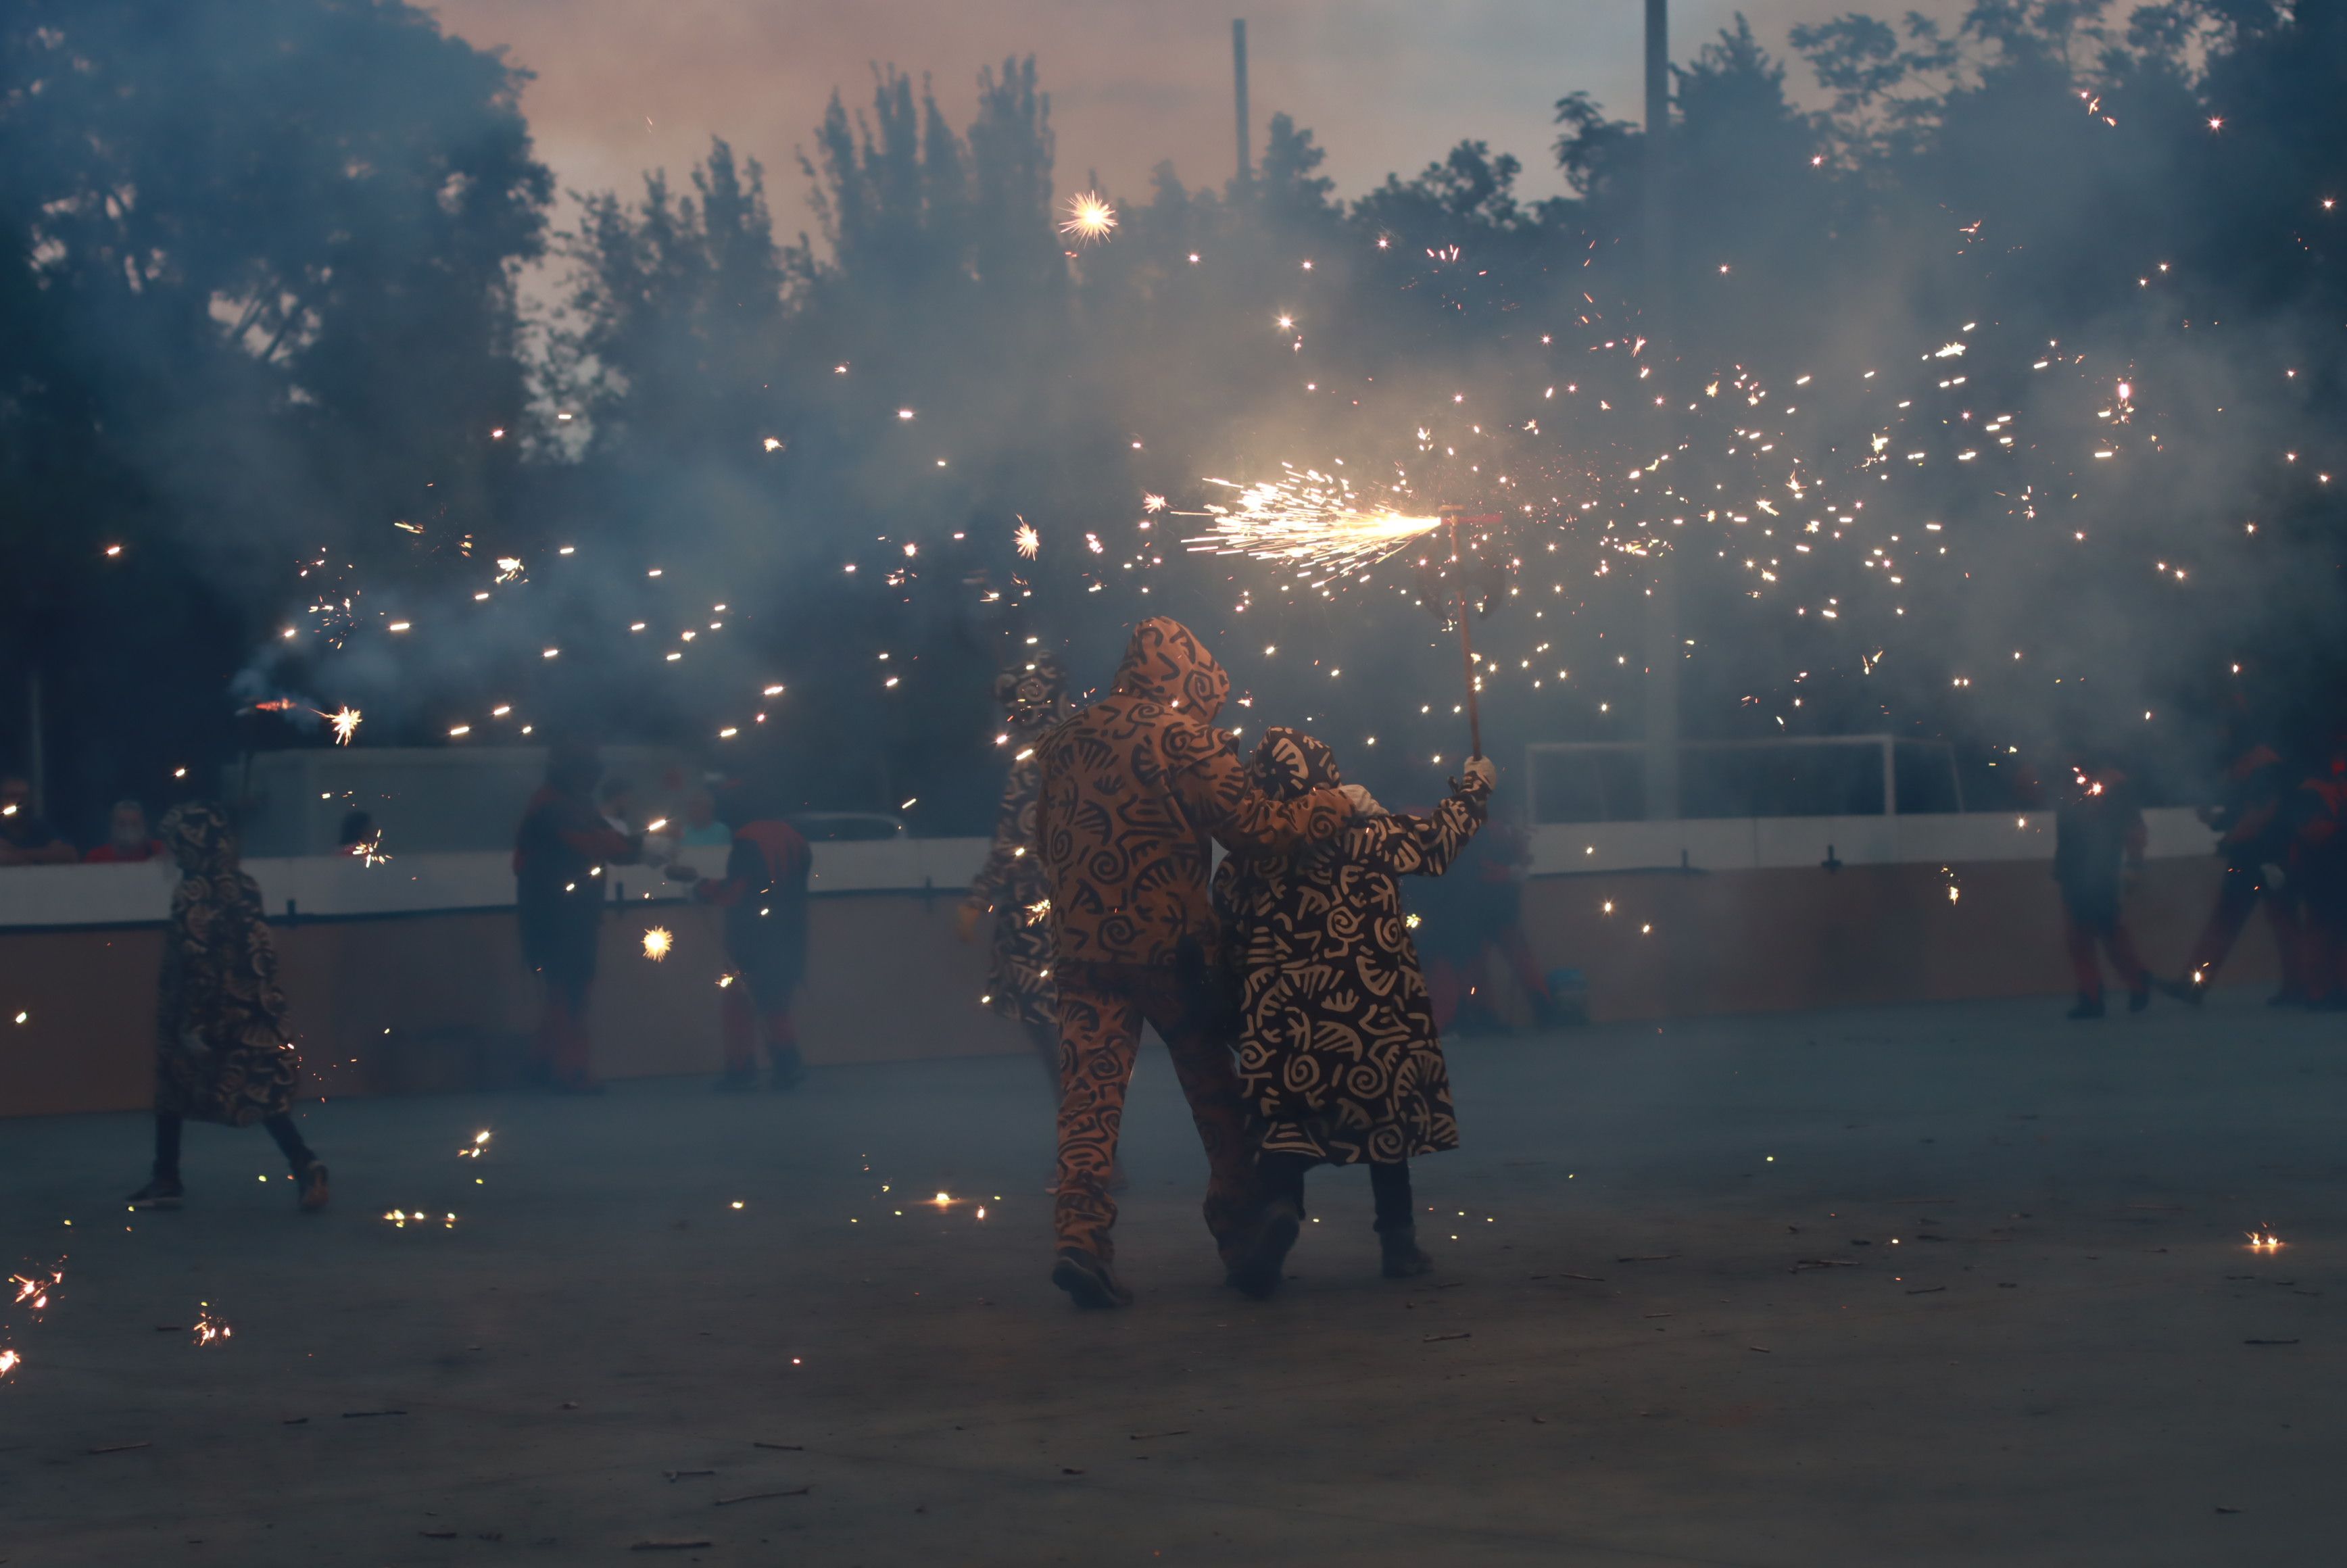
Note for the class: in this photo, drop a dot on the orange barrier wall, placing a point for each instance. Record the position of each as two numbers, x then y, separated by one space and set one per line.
441 1001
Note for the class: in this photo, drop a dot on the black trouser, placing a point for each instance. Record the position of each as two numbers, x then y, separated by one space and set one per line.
1283 1178
280 1128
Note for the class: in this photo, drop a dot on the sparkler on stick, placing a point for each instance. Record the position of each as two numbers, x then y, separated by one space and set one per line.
1309 519
1452 516
657 942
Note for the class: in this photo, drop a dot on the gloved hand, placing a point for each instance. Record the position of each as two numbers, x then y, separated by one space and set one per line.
1483 770
1364 802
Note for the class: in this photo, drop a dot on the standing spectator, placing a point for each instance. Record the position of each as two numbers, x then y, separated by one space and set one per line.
2252 832
127 837
222 1052
26 836
764 894
701 828
2099 822
559 856
2317 814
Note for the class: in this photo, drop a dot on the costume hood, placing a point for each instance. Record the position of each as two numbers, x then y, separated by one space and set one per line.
1166 662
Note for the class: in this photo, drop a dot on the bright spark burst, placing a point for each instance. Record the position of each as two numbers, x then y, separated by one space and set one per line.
1309 519
345 722
1029 542
1152 502
1037 910
657 942
508 567
208 1329
477 1148
9 1361
1090 217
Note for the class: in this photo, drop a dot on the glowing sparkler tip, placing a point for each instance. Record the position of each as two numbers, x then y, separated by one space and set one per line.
1029 542
345 722
657 942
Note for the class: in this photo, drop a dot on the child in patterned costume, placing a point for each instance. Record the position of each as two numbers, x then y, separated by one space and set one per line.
1339 1056
222 1052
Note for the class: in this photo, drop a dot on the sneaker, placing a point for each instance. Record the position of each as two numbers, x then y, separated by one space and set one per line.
788 1075
2138 1000
1088 1282
1257 1271
2086 1007
1403 1257
162 1193
313 1189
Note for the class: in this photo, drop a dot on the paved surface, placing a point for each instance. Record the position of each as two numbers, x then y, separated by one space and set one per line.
1989 1301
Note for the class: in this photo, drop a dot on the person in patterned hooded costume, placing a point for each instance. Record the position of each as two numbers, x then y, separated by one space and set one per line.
222 1050
1339 1056
1009 897
1136 790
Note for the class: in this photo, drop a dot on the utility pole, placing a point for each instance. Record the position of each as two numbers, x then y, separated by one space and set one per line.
1238 78
1664 649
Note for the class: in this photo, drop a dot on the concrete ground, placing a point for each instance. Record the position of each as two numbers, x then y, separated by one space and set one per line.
1958 1284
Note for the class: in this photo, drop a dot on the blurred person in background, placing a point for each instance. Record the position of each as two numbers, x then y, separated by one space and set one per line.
127 837
764 896
699 828
1339 1059
2253 833
561 855
26 836
1009 898
222 1050
2317 865
2097 823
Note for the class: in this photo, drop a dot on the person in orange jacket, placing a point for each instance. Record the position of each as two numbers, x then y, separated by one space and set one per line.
764 894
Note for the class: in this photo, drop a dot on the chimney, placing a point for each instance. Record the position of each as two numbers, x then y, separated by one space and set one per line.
1238 75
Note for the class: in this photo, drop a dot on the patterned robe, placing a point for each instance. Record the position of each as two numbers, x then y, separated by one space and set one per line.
1339 1056
222 1053
1011 886
1136 789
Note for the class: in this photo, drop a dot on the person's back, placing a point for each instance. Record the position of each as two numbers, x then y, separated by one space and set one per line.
1136 788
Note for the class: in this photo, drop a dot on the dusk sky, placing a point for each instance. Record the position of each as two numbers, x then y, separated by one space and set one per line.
1385 85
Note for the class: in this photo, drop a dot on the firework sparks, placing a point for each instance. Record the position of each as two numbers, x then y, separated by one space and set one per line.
33 1290
1029 542
1037 910
2264 1241
1090 217
208 1329
345 722
1311 521
657 942
9 1361
477 1148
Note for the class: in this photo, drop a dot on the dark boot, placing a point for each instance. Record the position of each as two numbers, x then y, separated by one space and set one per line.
1403 1258
2086 1007
2139 999
1087 1280
1257 1270
162 1193
313 1189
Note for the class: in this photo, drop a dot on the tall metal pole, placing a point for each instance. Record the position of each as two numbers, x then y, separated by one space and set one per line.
1663 648
1238 76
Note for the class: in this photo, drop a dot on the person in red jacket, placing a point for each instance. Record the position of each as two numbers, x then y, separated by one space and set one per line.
2253 834
127 837
559 856
764 894
2317 865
